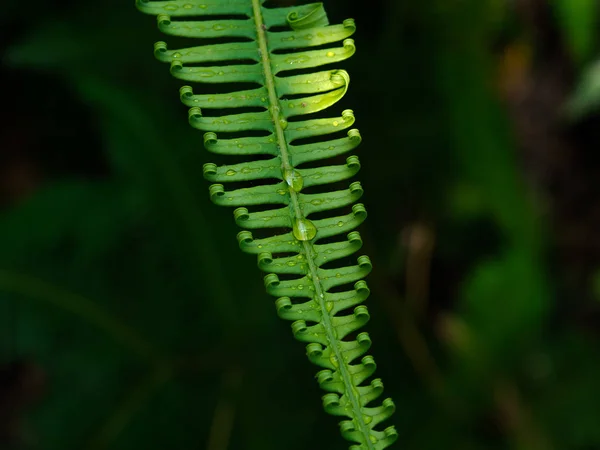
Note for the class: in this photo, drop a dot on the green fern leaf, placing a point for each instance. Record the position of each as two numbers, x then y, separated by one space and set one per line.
249 35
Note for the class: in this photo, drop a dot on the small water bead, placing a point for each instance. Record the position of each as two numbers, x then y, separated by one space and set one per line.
304 230
334 360
340 224
300 286
230 172
335 123
330 54
294 180
188 6
281 192
291 263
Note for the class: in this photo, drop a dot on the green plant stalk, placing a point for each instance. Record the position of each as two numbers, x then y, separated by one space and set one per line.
286 165
327 346
78 305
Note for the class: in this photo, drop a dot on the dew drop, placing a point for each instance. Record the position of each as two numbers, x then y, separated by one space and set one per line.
230 172
300 286
335 123
291 263
293 179
304 230
340 224
334 360
330 54
188 6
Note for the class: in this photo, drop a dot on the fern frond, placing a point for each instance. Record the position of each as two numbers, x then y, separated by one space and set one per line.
306 293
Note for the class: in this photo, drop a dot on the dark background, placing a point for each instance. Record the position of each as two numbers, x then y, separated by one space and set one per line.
129 319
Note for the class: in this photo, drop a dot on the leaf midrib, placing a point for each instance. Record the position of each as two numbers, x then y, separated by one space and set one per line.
286 165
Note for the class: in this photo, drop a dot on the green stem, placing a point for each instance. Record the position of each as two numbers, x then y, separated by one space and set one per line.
37 289
333 341
132 403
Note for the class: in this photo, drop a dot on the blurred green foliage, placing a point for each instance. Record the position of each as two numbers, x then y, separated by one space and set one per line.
126 287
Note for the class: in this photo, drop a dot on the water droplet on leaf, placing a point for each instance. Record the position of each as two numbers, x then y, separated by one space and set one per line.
304 230
293 179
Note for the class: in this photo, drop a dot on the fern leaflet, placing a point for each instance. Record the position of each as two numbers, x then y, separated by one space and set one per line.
305 291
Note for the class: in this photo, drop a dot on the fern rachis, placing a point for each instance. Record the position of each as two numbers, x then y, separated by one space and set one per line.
301 258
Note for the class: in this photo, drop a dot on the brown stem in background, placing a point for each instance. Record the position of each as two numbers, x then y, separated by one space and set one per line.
224 417
517 419
410 337
419 239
